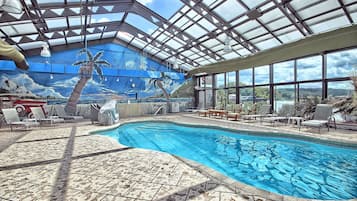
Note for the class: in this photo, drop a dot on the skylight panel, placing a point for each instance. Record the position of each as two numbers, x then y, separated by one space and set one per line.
141 23
124 36
93 36
138 43
174 44
255 32
108 17
330 25
19 29
196 31
247 26
252 4
271 15
75 21
56 23
212 3
206 24
231 55
229 10
164 8
74 39
110 34
211 43
244 52
267 44
316 9
57 41
290 37
279 23
47 1
182 21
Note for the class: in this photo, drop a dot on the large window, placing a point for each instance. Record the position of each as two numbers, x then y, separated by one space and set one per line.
283 94
208 80
246 77
283 72
309 68
209 98
310 91
221 99
219 80
201 99
262 95
261 75
340 89
341 64
231 79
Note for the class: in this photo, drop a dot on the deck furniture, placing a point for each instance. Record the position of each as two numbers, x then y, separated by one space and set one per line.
322 117
12 118
62 114
40 116
286 111
233 115
217 113
263 111
203 112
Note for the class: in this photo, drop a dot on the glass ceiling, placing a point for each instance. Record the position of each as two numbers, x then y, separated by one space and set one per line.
190 32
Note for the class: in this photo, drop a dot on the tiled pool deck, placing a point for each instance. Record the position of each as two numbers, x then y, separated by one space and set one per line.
66 162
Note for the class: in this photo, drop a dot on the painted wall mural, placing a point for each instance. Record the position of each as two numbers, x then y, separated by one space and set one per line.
128 77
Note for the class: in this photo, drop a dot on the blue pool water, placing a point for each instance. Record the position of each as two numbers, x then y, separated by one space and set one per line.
276 164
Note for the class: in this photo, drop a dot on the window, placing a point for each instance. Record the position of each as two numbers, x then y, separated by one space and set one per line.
283 94
340 89
208 81
246 94
309 68
221 99
231 79
245 77
262 94
232 96
201 99
341 64
283 72
219 80
261 75
310 91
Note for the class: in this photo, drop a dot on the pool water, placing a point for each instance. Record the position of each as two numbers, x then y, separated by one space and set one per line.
276 164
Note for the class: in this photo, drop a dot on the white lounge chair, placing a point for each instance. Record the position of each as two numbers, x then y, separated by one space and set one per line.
286 111
263 111
62 114
322 117
12 118
40 116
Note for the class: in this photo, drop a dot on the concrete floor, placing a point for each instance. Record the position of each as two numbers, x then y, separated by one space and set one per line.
66 162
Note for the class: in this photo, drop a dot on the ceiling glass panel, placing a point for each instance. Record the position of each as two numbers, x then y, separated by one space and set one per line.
326 16
74 39
271 15
211 43
138 43
125 36
108 17
57 41
56 22
196 31
229 10
252 4
109 34
19 29
93 36
231 55
206 24
267 44
316 9
279 23
290 36
164 8
182 21
141 23
330 25
174 44
255 32
212 3
247 26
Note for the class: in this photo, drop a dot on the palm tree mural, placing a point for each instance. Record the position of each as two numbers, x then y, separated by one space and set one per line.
85 72
159 83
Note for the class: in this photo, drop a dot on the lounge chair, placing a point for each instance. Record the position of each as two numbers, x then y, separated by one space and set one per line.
284 113
62 114
263 111
203 112
235 113
40 116
322 117
13 119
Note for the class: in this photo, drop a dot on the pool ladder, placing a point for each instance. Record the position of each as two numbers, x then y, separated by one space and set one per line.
160 107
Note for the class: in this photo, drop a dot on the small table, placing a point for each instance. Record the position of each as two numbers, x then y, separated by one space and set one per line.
297 119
